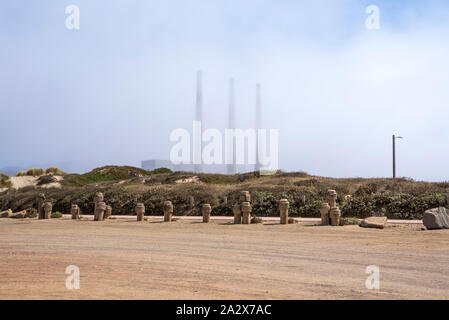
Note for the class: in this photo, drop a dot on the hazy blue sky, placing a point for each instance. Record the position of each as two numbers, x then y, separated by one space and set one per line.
111 92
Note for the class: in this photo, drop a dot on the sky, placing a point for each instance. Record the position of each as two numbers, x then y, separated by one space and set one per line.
113 91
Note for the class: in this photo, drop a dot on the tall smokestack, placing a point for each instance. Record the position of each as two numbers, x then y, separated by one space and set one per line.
199 117
232 168
258 123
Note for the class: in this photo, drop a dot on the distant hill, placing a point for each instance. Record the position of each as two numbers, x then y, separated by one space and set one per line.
11 171
107 173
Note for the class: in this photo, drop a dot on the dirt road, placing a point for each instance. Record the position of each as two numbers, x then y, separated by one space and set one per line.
123 259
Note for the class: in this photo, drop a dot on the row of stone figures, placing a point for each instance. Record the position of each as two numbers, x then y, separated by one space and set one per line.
242 210
168 211
101 210
330 212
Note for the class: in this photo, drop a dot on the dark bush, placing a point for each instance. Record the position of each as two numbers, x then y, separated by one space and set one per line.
5 182
46 180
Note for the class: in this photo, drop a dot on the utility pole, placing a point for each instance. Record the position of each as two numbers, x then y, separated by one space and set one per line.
232 168
198 147
394 157
258 124
394 154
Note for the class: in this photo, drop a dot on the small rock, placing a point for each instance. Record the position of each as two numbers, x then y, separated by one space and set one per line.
374 222
436 219
6 214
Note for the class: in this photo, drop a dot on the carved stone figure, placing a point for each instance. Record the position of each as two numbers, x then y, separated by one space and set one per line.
168 211
108 212
75 211
101 208
206 210
40 205
324 210
335 215
97 199
283 208
140 211
237 214
332 198
245 196
246 213
48 207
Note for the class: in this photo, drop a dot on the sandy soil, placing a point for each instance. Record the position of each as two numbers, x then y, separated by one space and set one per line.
123 259
26 181
22 182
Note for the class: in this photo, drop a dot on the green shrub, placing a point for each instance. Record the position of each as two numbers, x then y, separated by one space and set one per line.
161 170
310 209
46 180
269 204
349 221
107 173
56 215
21 174
5 182
359 207
406 206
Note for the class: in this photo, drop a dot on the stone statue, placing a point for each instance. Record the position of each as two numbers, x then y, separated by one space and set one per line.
237 214
332 198
108 212
245 196
335 215
246 213
40 205
140 211
324 210
206 210
101 208
168 211
75 211
48 207
283 208
97 199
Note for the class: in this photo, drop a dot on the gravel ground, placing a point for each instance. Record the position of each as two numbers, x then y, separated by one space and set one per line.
186 259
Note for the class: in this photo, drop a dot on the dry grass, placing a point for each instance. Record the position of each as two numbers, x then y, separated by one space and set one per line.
55 171
31 172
